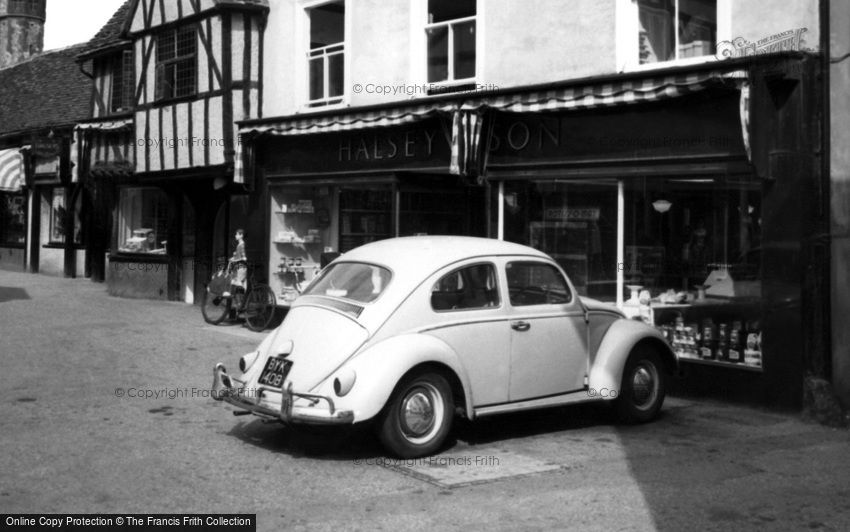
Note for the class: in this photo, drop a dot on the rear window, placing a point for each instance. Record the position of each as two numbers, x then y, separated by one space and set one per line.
351 280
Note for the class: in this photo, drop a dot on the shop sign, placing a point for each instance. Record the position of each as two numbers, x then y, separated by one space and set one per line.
419 146
681 127
572 213
47 154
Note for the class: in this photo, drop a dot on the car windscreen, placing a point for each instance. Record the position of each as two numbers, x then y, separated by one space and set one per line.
351 280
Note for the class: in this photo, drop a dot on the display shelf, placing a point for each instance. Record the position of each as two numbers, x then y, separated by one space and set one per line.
720 363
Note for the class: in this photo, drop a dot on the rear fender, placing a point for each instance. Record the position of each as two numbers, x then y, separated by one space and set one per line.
606 374
380 367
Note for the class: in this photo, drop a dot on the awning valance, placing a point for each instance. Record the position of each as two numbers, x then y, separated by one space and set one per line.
12 169
106 125
466 143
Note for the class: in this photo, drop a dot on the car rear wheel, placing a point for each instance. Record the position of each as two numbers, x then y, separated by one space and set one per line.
643 387
418 416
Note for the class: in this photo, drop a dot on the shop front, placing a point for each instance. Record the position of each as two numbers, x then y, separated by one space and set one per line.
13 209
333 191
56 208
683 213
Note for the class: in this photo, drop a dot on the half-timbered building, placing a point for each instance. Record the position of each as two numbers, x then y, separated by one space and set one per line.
170 79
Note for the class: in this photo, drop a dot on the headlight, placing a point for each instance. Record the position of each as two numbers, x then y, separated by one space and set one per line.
344 381
247 361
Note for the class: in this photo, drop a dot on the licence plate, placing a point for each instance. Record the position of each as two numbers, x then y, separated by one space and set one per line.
275 371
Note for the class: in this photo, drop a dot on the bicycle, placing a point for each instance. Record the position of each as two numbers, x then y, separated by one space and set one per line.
257 304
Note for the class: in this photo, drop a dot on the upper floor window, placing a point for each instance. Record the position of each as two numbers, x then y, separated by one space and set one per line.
676 29
451 40
123 82
326 56
176 63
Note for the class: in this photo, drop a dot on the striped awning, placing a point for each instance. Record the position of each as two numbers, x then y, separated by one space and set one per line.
588 96
624 92
12 169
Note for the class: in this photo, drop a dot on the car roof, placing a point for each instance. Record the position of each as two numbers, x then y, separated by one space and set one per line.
426 254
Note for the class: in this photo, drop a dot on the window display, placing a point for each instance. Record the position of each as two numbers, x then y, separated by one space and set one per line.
300 232
689 254
142 221
12 218
58 211
692 251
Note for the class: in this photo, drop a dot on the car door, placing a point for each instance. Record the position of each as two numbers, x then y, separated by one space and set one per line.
470 317
548 331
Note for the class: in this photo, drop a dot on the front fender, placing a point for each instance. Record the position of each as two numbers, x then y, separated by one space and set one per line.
380 367
615 348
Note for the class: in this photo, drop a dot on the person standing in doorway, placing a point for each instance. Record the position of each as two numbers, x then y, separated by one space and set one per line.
239 264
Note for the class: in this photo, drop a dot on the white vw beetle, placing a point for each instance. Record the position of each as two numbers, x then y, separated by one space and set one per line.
410 331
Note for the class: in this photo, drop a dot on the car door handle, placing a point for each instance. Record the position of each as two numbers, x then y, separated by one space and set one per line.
520 325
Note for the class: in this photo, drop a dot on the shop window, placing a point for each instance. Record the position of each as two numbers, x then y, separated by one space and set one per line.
671 30
365 216
683 233
301 231
472 287
12 218
143 220
536 283
451 40
122 68
575 223
326 56
176 63
58 224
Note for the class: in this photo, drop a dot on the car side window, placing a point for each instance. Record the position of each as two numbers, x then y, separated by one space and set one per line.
471 287
536 283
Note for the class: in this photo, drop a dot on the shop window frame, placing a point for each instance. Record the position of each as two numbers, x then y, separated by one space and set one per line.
53 221
122 226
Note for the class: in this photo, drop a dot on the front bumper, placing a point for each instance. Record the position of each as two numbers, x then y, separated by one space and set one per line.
262 402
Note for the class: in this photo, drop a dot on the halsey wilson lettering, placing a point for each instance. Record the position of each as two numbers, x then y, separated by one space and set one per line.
377 147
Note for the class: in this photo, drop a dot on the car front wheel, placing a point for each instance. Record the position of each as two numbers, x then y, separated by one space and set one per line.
418 416
643 386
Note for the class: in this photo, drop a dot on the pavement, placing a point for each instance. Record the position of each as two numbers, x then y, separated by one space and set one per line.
104 407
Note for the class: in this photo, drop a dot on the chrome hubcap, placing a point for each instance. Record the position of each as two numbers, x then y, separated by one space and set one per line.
418 413
644 385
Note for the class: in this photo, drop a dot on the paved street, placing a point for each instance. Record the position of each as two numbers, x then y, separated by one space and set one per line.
71 445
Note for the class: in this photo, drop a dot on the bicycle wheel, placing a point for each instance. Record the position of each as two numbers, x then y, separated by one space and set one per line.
214 307
259 307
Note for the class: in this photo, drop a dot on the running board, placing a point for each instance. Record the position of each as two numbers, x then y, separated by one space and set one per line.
581 396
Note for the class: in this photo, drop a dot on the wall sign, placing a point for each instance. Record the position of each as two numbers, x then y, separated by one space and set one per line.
421 145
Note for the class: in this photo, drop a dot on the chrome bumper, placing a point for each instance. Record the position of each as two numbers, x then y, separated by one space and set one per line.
223 389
